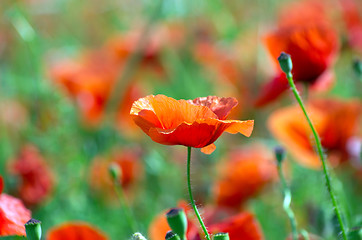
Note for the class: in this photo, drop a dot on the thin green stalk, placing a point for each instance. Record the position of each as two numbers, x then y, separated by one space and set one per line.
126 210
190 193
286 203
321 155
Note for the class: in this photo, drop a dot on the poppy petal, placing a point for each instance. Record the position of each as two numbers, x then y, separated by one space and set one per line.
240 227
272 90
13 216
208 149
221 106
75 231
290 127
201 132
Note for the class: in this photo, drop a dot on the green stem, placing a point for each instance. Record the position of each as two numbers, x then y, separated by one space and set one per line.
321 156
126 210
190 193
286 203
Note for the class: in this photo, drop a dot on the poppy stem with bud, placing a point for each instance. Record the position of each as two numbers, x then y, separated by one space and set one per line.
190 193
280 155
286 65
115 173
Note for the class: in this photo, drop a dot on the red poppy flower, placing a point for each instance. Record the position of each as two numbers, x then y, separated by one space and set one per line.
194 123
353 21
129 164
75 231
336 122
312 44
13 214
244 175
36 177
242 226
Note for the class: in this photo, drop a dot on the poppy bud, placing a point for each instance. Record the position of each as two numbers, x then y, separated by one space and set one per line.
33 229
221 236
171 236
285 63
357 67
115 172
138 236
177 221
279 154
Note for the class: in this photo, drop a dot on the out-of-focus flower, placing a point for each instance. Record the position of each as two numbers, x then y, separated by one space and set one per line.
336 122
36 178
313 45
13 214
13 115
353 21
194 123
244 175
90 80
123 45
75 231
224 64
129 164
242 226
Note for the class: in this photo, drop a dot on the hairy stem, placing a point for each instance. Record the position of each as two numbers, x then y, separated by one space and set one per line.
190 193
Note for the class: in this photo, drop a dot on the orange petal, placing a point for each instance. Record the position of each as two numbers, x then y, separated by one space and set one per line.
169 112
290 127
243 176
221 106
200 133
240 227
208 149
75 231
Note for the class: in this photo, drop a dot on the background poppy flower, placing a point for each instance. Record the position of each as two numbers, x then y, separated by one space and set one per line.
313 45
36 177
353 22
335 126
178 122
245 173
242 226
75 231
129 164
13 214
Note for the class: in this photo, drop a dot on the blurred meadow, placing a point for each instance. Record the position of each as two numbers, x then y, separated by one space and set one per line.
71 70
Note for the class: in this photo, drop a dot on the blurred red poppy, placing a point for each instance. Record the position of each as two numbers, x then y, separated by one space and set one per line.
193 123
13 214
36 177
75 231
242 226
336 122
313 45
353 21
243 176
129 164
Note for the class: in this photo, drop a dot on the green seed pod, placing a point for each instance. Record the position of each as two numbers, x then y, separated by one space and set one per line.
33 229
177 221
221 236
285 63
171 236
